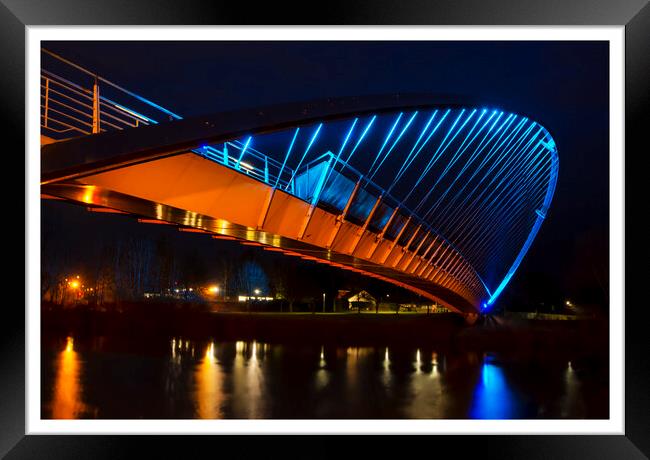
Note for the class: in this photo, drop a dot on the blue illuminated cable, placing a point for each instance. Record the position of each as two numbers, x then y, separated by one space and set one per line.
477 150
515 191
459 152
311 142
338 156
514 199
500 220
390 134
503 128
410 157
453 216
243 151
510 159
466 233
490 155
480 201
487 221
501 224
500 265
286 157
406 127
363 135
426 141
519 226
442 147
435 156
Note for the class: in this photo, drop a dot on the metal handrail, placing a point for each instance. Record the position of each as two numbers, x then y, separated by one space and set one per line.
110 83
63 103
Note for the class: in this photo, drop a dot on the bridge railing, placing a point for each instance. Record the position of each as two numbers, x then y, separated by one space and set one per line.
77 102
247 160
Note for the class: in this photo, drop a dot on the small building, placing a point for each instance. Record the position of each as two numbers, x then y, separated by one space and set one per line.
361 301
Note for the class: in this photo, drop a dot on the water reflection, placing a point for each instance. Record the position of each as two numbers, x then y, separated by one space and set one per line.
571 404
322 374
247 382
66 399
209 377
255 380
493 398
426 397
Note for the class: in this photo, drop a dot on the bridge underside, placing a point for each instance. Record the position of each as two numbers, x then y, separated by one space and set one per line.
195 193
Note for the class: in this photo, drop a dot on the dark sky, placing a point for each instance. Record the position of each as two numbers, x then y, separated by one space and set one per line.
562 85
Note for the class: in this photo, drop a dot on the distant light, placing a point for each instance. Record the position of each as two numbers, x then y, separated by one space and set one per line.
257 291
176 290
69 346
213 289
74 284
191 289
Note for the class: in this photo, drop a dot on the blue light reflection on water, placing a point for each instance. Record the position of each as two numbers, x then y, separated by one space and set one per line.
493 398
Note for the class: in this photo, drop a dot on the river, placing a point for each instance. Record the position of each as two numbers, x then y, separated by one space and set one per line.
178 378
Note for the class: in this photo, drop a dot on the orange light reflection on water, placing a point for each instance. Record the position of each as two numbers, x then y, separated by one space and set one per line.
209 394
66 401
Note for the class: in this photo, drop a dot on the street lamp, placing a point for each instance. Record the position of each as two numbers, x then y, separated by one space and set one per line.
323 302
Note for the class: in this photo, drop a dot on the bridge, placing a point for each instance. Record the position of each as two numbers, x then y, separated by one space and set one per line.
440 198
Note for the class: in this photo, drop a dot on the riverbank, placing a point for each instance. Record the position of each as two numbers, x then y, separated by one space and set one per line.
405 329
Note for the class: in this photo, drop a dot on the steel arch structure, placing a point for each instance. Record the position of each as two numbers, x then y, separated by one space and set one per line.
442 199
465 215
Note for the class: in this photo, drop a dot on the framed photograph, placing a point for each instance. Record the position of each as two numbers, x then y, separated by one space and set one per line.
353 228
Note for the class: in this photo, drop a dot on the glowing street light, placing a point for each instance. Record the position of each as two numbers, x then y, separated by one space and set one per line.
257 292
213 289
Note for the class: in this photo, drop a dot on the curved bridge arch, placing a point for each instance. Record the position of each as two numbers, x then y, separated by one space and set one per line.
442 199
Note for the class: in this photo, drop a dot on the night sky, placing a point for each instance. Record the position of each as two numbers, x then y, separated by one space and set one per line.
562 85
